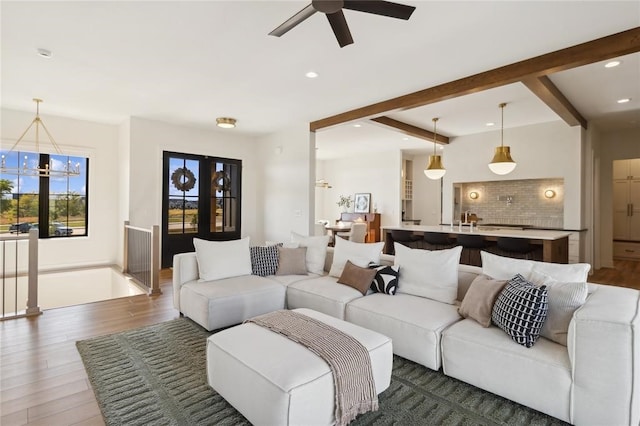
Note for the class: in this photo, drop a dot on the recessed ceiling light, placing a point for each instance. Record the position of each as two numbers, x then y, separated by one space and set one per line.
405 139
624 100
311 74
490 124
612 64
357 125
44 53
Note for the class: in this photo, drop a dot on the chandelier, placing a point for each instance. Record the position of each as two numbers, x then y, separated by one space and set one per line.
67 170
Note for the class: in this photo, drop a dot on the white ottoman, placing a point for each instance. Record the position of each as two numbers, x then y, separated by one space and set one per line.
274 381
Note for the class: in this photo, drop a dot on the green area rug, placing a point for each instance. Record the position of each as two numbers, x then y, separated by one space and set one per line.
157 376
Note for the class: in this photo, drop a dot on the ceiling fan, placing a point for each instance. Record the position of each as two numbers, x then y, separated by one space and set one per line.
333 10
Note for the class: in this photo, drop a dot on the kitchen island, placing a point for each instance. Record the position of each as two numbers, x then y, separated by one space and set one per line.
554 245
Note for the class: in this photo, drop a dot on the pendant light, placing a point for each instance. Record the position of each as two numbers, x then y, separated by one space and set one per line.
435 170
502 162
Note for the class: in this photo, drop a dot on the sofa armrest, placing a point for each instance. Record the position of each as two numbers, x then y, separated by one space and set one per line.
604 348
185 269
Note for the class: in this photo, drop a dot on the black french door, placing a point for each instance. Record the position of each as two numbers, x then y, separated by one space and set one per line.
201 198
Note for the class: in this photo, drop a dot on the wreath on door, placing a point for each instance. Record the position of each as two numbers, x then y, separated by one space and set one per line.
183 179
220 181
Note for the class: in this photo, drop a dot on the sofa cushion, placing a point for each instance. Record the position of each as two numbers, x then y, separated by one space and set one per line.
520 310
322 294
316 251
291 261
360 254
563 298
386 279
414 323
539 377
478 302
229 301
264 260
357 277
431 274
222 259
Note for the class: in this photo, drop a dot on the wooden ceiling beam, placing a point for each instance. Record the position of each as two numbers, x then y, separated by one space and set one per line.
410 130
549 93
612 46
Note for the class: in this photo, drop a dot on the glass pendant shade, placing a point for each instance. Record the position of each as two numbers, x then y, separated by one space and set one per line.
435 170
502 162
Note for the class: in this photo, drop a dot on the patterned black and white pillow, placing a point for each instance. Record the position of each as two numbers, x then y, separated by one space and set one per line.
264 260
520 310
386 279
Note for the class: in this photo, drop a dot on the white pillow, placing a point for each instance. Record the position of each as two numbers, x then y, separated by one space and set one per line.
431 274
563 298
360 254
571 272
316 251
504 268
222 259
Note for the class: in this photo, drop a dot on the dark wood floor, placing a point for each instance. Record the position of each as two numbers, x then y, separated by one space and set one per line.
43 381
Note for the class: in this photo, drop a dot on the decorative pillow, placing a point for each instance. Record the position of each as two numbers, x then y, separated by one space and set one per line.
431 274
292 261
520 310
564 299
385 280
222 259
316 251
478 302
357 277
504 268
360 254
264 260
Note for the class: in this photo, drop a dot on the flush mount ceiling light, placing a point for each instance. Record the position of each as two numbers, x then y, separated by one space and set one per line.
67 170
311 74
226 122
435 170
502 163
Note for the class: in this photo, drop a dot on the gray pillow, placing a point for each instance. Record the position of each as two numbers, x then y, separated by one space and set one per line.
478 302
292 261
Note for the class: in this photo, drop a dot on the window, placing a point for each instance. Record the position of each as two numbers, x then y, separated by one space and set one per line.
56 205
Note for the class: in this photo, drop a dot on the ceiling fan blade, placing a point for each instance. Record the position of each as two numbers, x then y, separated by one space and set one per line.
379 7
293 21
340 28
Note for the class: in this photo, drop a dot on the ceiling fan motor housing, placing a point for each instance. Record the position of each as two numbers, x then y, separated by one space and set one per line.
328 6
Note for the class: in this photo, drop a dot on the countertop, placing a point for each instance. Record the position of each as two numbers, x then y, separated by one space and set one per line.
533 234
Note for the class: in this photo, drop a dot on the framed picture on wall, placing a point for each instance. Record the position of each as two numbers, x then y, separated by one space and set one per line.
362 203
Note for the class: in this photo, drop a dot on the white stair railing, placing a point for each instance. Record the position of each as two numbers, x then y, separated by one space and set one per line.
142 256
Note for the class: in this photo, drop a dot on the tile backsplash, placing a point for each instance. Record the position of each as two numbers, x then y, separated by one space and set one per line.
515 202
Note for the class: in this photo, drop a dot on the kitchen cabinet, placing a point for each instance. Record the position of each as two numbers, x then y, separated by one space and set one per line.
626 200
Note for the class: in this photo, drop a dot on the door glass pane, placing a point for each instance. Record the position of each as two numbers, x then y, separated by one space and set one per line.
183 196
224 197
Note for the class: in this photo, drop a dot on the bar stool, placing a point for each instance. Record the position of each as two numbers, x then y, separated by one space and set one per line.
518 248
437 241
406 238
471 247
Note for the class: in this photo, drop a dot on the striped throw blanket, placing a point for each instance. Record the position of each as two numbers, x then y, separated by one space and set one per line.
349 360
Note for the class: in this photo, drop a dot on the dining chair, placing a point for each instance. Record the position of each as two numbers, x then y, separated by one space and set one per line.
357 234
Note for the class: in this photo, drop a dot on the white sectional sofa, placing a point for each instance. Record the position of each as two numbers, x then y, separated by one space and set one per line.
594 380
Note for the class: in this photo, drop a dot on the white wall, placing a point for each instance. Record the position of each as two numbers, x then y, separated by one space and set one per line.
287 183
426 192
375 173
99 143
617 145
148 140
541 151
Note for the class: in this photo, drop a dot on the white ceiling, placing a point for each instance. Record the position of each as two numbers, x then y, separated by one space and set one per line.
190 62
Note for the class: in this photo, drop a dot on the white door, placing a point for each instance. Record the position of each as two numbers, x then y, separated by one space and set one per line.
634 168
634 211
621 209
620 169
